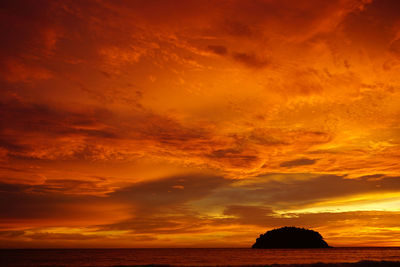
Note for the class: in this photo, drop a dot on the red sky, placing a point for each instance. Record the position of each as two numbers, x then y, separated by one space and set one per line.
152 123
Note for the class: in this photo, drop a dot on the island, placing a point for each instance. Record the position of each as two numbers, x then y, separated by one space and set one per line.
290 237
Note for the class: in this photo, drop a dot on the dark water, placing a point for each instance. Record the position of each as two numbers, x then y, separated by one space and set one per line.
194 256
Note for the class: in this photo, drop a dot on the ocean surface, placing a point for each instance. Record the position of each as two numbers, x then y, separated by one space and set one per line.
198 257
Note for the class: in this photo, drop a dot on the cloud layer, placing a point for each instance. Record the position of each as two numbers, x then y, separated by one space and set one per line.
177 123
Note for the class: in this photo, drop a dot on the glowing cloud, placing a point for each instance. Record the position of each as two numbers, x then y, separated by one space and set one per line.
176 123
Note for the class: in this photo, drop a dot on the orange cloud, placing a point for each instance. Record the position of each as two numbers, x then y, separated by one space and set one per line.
146 122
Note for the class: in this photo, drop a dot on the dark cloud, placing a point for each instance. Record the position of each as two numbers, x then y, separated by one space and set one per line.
50 126
267 137
156 223
57 187
11 233
176 190
163 206
167 131
174 12
298 190
12 188
71 186
251 215
326 187
218 49
18 14
44 202
251 60
298 162
154 204
236 28
31 130
172 196
61 236
380 17
51 120
262 20
377 176
10 144
235 157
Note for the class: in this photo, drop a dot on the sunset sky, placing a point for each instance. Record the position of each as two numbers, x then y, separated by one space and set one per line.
171 123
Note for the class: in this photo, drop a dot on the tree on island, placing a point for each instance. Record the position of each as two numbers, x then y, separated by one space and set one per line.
290 237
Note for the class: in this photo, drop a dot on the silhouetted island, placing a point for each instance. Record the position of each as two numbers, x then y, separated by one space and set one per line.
290 237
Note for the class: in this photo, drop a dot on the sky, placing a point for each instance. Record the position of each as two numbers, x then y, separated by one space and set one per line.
168 123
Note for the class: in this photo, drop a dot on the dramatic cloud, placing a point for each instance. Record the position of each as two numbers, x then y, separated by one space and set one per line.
198 123
250 60
298 162
218 49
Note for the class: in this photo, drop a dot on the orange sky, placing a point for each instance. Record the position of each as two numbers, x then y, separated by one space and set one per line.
152 123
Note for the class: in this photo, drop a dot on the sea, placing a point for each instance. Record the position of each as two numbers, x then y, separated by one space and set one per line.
201 257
